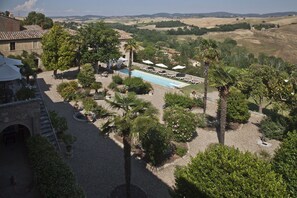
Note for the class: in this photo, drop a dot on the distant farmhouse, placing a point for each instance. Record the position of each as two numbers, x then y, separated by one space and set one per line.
124 37
15 38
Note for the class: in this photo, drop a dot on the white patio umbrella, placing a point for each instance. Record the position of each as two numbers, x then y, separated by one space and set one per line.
148 62
179 67
9 72
161 65
122 59
10 61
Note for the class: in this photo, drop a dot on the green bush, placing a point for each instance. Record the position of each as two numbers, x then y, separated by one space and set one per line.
237 108
201 120
285 162
181 151
25 93
142 124
89 104
86 76
59 123
222 171
137 85
96 86
174 99
182 122
112 86
68 90
198 102
156 143
117 79
53 176
271 129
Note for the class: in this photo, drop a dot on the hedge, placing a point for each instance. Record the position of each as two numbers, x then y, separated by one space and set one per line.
52 175
174 99
285 162
223 171
137 85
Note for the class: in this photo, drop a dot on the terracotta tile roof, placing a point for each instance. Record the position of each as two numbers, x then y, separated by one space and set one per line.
123 35
19 35
32 27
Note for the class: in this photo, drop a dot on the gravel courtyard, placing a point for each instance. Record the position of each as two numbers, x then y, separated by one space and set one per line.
98 161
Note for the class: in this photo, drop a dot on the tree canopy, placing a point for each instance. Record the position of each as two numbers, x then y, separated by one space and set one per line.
98 43
36 18
223 171
58 49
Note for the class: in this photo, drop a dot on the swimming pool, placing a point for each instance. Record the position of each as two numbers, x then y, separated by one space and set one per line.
159 80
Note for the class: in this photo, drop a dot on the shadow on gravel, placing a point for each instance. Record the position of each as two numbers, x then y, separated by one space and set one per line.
98 161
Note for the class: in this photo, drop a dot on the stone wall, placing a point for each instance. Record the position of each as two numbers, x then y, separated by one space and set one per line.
29 45
25 113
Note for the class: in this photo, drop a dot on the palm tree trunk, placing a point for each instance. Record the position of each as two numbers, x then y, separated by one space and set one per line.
127 158
223 115
206 67
130 62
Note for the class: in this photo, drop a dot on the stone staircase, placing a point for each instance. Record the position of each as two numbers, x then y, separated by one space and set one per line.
46 128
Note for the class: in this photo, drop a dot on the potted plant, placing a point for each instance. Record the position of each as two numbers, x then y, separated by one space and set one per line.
68 141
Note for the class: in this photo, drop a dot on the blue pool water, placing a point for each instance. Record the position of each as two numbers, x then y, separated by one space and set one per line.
159 80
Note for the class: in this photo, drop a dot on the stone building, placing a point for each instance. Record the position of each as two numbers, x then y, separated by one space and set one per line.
124 37
9 24
14 39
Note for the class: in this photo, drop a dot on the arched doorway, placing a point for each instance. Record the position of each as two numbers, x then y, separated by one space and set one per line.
16 179
14 134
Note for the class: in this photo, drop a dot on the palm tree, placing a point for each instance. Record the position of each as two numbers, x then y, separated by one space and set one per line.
130 46
132 107
222 78
209 54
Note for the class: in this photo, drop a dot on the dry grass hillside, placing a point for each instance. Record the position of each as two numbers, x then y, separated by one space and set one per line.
280 42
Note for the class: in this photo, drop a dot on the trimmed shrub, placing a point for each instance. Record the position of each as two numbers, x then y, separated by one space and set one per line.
181 151
53 176
237 108
183 123
117 79
59 123
201 120
137 85
285 162
86 76
223 171
271 129
25 93
96 86
174 99
156 143
89 104
68 90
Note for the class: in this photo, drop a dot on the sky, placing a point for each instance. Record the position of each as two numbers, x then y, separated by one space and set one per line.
135 7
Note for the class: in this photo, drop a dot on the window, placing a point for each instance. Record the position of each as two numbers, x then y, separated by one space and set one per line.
12 46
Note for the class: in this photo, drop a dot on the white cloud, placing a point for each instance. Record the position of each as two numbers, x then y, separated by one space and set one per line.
27 6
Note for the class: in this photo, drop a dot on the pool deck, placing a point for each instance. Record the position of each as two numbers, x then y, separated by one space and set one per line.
172 73
172 83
